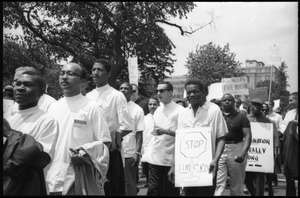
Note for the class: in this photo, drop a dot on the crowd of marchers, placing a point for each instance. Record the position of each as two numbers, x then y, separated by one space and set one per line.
93 143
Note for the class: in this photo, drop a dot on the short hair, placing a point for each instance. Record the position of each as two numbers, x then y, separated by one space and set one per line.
153 98
127 83
83 72
106 63
196 81
40 80
169 85
21 69
134 85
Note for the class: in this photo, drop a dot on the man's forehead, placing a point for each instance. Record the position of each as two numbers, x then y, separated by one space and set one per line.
26 78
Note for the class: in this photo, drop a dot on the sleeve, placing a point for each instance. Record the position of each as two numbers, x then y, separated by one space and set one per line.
275 135
123 114
140 120
245 121
99 125
220 124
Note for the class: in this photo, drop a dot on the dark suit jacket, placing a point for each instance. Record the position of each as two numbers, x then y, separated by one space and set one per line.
23 163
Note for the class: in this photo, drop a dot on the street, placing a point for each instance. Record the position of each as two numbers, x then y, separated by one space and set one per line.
279 190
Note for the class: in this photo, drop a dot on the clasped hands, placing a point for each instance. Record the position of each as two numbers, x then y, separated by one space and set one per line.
77 156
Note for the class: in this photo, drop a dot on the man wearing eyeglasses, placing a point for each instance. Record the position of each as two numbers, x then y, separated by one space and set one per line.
83 132
202 113
163 145
119 124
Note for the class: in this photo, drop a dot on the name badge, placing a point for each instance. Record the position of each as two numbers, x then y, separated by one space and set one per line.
79 121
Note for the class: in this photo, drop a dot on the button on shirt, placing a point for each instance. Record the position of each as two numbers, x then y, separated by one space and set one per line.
208 115
162 150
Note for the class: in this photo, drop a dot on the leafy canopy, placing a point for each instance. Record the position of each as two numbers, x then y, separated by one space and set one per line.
211 63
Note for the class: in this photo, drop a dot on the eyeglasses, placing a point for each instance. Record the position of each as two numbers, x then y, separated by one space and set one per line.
69 73
133 91
161 90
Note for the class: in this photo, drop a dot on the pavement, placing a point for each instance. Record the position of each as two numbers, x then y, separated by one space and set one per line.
279 190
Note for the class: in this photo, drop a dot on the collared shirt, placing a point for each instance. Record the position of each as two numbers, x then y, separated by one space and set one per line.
114 105
81 121
129 141
236 121
7 107
44 103
40 125
264 119
163 146
208 115
277 118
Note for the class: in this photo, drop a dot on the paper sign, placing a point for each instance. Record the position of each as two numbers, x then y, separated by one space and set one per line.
193 155
133 70
235 86
261 151
214 91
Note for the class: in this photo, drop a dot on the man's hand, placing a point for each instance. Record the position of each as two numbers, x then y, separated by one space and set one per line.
159 131
171 174
213 167
240 158
136 160
76 157
116 141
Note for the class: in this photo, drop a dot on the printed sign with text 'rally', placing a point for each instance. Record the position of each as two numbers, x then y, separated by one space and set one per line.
235 86
261 151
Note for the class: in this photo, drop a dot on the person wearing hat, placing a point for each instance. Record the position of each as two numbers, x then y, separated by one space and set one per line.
255 180
8 100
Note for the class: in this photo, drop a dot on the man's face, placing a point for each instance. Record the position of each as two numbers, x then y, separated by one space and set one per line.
194 94
152 105
126 90
238 103
27 90
255 108
69 80
293 102
135 93
163 94
100 75
228 103
265 109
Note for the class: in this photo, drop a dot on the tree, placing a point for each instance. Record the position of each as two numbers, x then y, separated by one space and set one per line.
282 79
211 63
16 55
90 30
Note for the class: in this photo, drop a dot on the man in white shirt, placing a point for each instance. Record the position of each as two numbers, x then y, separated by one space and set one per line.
148 137
29 119
292 114
81 123
119 124
163 147
45 100
132 143
8 100
202 113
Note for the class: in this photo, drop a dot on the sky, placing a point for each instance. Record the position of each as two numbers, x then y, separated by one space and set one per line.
262 31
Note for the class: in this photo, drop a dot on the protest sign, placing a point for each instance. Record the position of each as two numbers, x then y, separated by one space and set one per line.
193 154
261 152
235 86
214 91
133 70
260 92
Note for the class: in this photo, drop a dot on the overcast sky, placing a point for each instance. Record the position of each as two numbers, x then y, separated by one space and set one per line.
254 31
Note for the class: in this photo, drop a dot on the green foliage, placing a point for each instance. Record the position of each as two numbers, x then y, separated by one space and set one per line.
211 63
282 77
16 55
275 88
90 30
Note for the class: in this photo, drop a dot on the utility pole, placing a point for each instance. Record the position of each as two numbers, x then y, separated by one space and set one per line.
273 58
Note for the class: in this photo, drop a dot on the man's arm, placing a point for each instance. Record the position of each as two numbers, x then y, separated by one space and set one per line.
247 135
219 150
139 141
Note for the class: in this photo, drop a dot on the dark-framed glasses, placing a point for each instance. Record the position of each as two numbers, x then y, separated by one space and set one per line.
69 73
161 90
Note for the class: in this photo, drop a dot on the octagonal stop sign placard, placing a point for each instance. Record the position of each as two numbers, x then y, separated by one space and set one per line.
193 144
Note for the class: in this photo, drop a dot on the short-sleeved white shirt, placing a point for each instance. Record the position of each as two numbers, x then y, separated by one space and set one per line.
162 149
208 115
37 123
81 121
289 116
114 105
129 141
277 118
7 107
147 135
